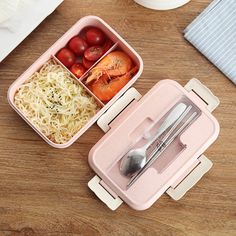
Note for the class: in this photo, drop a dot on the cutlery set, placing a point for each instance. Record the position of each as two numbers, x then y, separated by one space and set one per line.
136 158
165 142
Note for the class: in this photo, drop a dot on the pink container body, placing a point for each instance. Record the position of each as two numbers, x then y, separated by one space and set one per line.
50 53
128 131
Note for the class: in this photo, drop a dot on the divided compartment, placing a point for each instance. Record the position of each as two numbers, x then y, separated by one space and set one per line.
117 44
83 23
116 47
172 152
15 87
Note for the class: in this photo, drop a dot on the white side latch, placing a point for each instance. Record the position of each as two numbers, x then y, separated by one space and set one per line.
112 202
204 93
129 96
191 179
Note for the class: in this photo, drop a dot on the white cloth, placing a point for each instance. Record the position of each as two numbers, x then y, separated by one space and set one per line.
213 33
21 18
7 9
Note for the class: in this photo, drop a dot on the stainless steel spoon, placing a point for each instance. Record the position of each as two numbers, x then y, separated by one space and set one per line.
135 159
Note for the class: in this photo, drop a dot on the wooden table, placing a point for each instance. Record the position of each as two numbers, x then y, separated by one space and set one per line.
43 190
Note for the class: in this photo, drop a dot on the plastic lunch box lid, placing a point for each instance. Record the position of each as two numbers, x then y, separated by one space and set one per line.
96 155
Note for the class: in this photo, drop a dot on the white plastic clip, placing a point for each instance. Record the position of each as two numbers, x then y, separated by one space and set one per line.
204 93
130 95
103 194
190 180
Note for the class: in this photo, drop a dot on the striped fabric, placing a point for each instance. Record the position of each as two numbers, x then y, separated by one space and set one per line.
213 33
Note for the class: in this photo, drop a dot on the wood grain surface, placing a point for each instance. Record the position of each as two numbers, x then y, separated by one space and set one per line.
43 190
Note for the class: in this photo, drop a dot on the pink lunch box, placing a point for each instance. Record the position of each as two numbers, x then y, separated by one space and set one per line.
51 52
128 120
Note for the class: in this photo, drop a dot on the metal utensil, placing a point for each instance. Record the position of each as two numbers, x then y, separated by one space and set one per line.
136 158
165 142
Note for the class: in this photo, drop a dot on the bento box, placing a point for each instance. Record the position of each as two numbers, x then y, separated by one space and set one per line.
152 144
115 45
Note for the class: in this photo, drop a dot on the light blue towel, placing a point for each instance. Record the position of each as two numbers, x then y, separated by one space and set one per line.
213 33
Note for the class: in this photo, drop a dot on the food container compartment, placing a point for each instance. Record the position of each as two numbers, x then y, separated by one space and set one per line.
116 47
129 130
51 54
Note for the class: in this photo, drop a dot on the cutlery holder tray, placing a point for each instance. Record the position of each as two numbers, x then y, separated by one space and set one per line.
139 119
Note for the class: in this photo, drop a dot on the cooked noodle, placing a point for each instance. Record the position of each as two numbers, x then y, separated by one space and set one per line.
57 105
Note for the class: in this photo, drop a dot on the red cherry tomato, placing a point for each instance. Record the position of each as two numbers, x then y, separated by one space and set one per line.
93 53
66 56
95 36
107 45
87 64
78 45
78 70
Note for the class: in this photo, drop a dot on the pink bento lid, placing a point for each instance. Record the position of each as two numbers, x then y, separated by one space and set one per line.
105 156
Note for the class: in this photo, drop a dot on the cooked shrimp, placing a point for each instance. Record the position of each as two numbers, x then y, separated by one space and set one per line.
105 88
116 63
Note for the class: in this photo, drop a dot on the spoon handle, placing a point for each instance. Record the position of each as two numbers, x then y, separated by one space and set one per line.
177 122
164 144
170 119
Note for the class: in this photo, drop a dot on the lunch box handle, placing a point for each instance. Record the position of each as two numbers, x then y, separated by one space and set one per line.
190 180
204 93
124 101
